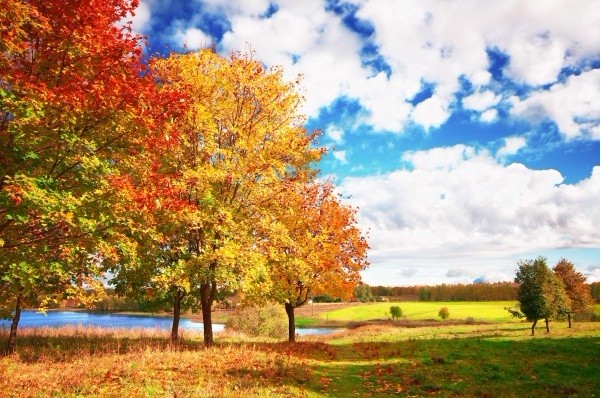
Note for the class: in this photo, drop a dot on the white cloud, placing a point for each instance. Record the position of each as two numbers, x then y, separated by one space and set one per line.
432 112
432 41
340 156
489 116
573 105
459 207
335 134
415 42
192 38
481 101
511 147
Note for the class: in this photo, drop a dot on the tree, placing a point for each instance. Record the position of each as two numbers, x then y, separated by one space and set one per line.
207 177
575 287
396 312
313 244
362 292
540 294
444 313
71 102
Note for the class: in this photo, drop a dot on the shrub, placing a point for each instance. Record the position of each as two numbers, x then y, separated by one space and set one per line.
267 321
470 320
396 312
444 313
585 316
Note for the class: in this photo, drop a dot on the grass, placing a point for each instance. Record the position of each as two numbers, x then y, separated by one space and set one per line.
495 359
489 311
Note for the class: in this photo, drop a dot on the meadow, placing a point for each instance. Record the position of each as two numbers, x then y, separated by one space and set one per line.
487 359
489 311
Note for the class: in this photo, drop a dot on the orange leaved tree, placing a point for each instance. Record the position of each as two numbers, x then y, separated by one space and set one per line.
574 284
314 246
71 85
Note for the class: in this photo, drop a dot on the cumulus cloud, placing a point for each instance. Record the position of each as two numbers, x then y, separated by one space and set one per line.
458 206
141 18
340 156
415 43
511 147
192 38
481 101
335 134
489 116
572 105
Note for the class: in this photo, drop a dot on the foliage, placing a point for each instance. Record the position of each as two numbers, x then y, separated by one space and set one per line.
74 100
266 321
444 313
204 182
363 293
594 291
541 294
324 298
395 312
574 284
497 291
320 252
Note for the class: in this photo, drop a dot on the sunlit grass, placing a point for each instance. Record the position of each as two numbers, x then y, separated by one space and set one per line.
490 311
495 359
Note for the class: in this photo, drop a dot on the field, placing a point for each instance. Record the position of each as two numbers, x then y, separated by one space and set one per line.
486 359
490 311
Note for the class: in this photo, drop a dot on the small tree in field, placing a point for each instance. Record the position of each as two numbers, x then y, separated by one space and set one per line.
444 313
396 312
541 294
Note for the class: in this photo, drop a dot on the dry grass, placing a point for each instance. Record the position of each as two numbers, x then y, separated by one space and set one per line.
373 360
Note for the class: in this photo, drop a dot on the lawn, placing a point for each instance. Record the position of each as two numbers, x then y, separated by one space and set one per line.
495 359
488 311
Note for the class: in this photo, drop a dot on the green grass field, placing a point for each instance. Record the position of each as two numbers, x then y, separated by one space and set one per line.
488 311
494 357
486 360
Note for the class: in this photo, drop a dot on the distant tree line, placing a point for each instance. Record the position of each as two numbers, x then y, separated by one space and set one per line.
445 292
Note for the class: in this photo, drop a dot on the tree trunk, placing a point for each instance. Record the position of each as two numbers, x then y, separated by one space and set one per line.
12 338
206 301
547 324
569 320
534 325
177 303
291 326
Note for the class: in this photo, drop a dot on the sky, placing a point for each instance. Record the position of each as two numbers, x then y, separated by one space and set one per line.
466 132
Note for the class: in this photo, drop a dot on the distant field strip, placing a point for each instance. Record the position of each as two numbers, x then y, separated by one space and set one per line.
492 311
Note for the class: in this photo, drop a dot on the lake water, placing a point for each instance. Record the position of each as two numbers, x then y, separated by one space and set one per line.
108 320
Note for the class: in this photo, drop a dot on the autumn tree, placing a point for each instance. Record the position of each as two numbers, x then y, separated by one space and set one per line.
314 245
205 179
70 90
575 287
540 294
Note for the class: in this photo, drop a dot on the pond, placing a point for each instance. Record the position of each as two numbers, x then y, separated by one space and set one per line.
35 319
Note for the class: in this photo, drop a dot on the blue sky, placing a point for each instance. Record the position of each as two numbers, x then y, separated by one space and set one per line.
467 132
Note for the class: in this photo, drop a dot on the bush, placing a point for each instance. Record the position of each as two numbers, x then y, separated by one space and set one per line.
470 320
585 316
396 312
444 313
267 321
324 298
